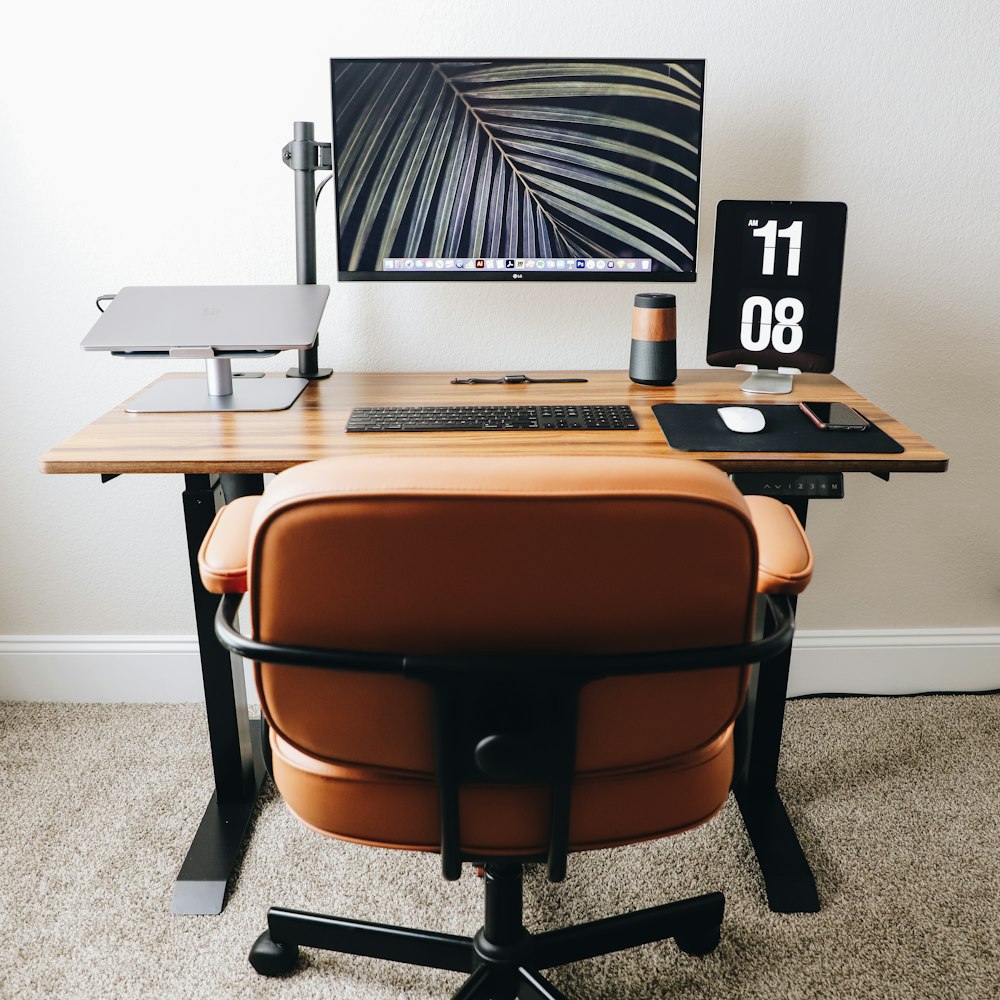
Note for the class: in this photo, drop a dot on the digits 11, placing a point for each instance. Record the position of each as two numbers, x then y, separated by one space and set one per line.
771 232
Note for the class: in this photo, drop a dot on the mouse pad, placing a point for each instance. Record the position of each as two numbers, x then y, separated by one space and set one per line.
698 427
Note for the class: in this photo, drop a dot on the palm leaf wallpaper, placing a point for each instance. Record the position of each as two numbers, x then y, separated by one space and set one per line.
517 158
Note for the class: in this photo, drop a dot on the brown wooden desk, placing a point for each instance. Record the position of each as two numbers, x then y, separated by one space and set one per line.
223 455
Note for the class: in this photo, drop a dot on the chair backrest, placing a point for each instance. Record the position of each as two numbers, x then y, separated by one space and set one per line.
501 555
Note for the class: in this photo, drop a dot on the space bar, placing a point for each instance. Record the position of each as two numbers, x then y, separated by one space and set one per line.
465 427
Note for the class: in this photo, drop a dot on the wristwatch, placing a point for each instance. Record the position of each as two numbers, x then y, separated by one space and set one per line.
510 380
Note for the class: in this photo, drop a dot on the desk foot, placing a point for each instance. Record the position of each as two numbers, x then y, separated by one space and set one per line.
788 880
217 846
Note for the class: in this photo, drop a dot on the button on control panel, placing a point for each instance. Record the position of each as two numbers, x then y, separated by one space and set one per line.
806 485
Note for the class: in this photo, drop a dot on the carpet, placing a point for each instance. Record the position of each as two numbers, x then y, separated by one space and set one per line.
895 801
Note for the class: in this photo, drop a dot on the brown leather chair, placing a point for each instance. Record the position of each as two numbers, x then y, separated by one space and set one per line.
504 660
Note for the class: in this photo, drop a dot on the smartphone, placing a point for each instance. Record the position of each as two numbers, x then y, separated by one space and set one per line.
834 416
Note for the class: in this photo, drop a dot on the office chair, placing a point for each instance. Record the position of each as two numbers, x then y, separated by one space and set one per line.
504 660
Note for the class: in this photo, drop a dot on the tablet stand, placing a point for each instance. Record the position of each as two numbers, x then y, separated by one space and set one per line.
765 380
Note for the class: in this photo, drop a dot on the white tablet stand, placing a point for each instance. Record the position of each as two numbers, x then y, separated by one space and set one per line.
766 380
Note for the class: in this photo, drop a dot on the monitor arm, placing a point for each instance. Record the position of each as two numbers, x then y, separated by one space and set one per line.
305 156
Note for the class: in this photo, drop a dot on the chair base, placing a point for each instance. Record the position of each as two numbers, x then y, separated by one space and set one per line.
503 960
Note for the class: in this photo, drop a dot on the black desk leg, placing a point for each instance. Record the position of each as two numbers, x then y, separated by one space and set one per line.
788 880
235 739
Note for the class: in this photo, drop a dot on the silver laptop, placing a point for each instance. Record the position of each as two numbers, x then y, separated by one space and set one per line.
215 323
225 318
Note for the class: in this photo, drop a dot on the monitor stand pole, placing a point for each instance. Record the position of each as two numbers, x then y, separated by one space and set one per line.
305 156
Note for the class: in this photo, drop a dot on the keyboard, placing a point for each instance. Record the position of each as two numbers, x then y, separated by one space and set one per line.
492 418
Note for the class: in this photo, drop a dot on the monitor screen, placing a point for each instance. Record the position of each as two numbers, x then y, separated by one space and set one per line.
507 169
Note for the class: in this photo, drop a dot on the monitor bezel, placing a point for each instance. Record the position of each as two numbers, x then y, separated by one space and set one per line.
475 276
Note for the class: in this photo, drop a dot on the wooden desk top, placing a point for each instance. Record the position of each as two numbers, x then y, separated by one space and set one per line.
313 427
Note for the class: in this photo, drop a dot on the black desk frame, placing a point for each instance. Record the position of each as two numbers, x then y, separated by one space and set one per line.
235 739
788 879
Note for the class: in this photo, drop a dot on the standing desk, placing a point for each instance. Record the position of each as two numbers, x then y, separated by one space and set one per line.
225 455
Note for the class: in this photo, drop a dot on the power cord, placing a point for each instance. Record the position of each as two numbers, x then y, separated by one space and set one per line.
322 184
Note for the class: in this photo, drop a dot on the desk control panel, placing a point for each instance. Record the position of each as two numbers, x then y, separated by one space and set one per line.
566 417
804 485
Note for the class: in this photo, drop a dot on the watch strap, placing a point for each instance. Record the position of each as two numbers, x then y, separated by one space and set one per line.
515 379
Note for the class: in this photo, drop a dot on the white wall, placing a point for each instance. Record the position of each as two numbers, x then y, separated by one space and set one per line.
141 144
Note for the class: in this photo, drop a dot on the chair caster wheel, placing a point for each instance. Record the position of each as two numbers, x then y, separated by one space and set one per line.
699 942
272 958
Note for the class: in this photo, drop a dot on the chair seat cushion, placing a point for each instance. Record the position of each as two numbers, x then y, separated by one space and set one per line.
387 807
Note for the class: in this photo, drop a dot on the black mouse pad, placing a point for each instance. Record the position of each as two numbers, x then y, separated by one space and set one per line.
698 427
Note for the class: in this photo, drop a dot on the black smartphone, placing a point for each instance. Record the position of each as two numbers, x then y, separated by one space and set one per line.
834 416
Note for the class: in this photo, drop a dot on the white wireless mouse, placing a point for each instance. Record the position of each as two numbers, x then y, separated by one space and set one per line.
742 419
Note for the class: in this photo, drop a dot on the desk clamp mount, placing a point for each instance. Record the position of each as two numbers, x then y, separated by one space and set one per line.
305 156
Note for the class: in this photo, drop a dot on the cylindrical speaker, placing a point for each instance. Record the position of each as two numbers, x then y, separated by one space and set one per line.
653 358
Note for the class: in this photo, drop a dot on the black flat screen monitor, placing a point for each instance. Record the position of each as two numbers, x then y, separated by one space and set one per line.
505 169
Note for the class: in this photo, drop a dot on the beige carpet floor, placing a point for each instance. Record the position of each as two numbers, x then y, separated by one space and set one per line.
895 801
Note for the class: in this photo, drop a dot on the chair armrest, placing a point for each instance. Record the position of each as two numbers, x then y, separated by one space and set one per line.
222 558
785 561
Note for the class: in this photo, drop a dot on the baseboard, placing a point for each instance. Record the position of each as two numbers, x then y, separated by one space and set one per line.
166 669
895 661
100 668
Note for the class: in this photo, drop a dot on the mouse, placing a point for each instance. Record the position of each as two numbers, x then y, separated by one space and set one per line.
742 419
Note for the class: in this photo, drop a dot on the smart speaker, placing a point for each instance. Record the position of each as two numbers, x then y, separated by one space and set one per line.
653 358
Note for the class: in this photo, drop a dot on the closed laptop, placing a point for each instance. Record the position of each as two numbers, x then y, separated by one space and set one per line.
224 318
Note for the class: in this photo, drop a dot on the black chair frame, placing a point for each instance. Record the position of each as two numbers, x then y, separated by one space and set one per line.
498 719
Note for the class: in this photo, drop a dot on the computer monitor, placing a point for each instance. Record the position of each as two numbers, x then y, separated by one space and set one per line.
517 169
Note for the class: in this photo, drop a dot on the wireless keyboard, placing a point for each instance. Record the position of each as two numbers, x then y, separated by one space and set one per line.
492 418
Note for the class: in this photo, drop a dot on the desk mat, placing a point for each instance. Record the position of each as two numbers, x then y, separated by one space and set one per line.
697 427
